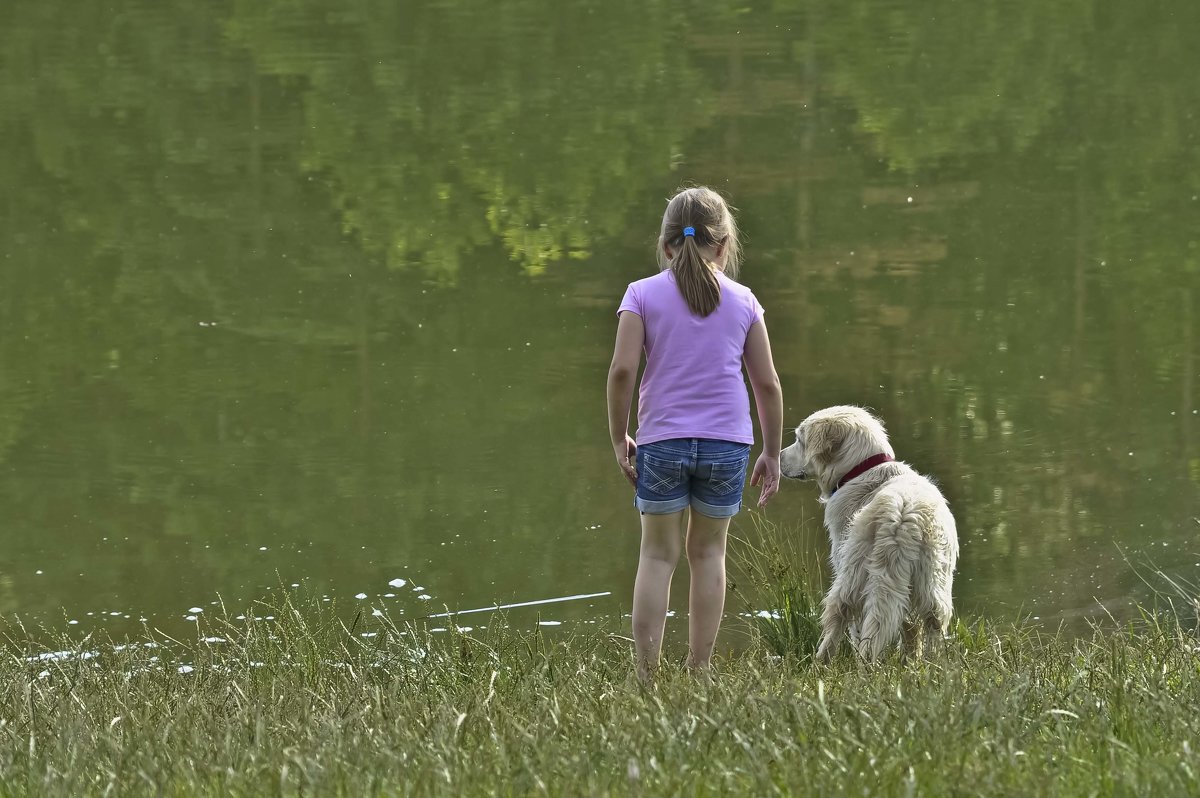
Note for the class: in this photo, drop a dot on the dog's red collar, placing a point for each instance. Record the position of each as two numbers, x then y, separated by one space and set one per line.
862 468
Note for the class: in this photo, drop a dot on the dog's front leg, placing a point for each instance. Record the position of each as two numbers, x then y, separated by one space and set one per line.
913 638
825 649
834 618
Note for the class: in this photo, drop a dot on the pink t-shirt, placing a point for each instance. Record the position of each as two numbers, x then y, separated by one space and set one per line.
692 386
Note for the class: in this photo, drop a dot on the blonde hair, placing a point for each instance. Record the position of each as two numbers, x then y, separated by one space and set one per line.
706 212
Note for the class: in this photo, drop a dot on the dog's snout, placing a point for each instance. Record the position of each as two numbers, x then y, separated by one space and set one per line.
791 464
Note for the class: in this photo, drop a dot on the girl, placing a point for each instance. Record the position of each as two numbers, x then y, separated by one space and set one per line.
694 432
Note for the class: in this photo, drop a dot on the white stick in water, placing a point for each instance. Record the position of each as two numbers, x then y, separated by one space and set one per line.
522 604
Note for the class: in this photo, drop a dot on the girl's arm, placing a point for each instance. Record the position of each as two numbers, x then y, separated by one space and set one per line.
622 374
768 397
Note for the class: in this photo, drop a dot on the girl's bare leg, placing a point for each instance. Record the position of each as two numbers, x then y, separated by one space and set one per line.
706 603
652 587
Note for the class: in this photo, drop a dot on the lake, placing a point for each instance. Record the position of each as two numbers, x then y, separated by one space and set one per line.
323 294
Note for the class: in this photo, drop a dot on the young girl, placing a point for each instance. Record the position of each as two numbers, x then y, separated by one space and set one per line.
697 326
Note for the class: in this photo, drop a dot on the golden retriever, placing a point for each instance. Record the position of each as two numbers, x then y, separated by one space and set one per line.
893 543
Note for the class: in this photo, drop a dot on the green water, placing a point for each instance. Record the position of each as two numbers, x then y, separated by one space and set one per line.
322 293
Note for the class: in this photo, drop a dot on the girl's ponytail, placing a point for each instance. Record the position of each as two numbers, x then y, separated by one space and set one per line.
698 219
697 280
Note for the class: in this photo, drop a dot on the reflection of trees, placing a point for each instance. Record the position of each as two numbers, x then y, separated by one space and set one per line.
946 80
436 136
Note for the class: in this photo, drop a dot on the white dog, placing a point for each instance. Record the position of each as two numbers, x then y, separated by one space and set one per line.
893 544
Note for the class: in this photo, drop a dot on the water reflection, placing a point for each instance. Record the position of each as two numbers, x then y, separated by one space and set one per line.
332 298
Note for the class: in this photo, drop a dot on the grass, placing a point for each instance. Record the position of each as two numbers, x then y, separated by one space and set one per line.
780 579
305 704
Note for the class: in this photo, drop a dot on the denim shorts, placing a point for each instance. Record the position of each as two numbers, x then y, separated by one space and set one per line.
706 475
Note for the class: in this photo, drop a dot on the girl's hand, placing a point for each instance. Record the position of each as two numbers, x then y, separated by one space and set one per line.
766 473
626 451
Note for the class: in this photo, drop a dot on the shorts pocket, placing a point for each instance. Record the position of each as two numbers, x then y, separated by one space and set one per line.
661 476
728 477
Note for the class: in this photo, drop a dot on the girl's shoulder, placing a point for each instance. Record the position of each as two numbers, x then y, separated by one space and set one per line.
653 283
735 288
658 278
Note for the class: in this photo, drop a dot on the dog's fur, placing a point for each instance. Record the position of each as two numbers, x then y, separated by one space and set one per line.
893 543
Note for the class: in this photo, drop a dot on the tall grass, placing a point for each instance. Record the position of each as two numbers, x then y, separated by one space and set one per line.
780 579
317 702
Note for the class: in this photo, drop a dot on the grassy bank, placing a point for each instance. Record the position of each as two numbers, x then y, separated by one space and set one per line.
307 704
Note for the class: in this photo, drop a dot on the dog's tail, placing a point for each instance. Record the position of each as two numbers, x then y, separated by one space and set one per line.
894 559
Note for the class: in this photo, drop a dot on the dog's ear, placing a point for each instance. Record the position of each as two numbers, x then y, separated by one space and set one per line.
823 438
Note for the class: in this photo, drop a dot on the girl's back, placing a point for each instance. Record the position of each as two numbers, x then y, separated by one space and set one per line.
692 386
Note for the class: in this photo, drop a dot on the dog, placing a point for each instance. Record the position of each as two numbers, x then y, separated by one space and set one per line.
893 542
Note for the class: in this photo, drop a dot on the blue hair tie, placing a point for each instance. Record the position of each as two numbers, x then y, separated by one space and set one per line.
689 231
